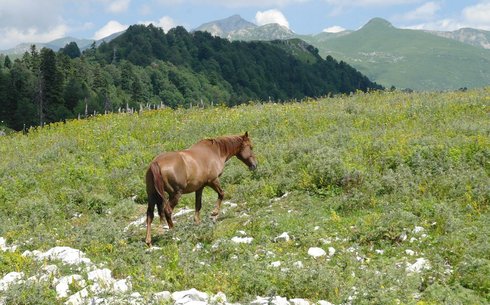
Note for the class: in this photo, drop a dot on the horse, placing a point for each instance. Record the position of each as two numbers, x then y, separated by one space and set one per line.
191 170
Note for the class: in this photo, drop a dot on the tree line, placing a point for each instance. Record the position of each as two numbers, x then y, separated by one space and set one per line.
145 66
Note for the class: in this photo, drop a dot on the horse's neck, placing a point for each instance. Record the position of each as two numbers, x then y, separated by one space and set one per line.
228 147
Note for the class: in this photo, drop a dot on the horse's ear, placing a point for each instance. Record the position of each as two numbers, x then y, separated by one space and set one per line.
246 134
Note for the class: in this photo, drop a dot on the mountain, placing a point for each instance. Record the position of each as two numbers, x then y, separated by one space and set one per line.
474 37
270 31
225 26
56 44
404 58
410 58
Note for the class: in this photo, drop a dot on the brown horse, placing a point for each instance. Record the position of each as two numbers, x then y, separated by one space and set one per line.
191 170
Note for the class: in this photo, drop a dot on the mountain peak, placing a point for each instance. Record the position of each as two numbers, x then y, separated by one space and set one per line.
224 26
378 23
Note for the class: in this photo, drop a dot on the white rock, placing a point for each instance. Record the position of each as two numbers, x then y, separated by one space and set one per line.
322 302
403 236
102 277
4 247
122 286
78 298
183 211
410 252
277 300
242 233
316 228
316 252
138 222
10 279
283 237
162 296
191 294
298 264
242 240
67 255
50 269
280 198
412 240
419 265
63 284
299 302
331 251
230 204
276 264
417 229
218 299
379 251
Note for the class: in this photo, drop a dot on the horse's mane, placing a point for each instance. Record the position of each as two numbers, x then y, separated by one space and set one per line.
229 145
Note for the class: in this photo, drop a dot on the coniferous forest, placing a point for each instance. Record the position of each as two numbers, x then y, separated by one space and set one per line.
146 67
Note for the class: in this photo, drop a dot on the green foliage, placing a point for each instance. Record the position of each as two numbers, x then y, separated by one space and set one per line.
360 173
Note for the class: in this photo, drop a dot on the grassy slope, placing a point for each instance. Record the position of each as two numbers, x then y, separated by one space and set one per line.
409 58
364 170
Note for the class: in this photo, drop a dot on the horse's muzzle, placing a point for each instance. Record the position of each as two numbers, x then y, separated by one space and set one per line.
252 167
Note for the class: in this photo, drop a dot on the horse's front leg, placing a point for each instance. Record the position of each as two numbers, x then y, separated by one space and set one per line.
197 217
215 185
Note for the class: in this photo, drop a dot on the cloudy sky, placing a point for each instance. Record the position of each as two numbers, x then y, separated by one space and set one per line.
45 20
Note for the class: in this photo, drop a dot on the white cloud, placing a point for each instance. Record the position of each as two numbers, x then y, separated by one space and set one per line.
235 3
118 6
426 11
334 29
110 28
166 23
346 3
30 21
271 16
12 36
478 14
474 16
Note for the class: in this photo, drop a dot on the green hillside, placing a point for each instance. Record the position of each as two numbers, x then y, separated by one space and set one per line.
410 58
145 67
393 186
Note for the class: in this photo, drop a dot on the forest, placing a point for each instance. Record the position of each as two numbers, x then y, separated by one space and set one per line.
146 67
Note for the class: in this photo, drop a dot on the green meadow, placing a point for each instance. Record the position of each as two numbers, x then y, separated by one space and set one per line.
382 178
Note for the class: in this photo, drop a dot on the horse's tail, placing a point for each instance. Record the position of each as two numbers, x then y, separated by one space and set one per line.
157 178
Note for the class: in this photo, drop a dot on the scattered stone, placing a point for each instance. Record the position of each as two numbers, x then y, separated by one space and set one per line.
4 247
316 228
102 277
164 296
10 279
138 222
276 264
280 198
78 298
417 229
283 237
242 233
419 265
410 252
331 251
230 204
183 211
218 299
242 240
403 236
67 255
377 251
316 252
186 296
298 264
277 300
63 284
322 302
299 302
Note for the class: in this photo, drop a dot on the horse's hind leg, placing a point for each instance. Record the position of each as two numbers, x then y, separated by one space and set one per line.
168 207
150 213
197 217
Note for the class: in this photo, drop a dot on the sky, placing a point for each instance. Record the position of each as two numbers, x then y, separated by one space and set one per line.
46 20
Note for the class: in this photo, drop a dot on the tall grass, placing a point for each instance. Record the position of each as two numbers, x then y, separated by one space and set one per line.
361 172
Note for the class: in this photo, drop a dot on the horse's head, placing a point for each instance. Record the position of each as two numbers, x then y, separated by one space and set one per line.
246 154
